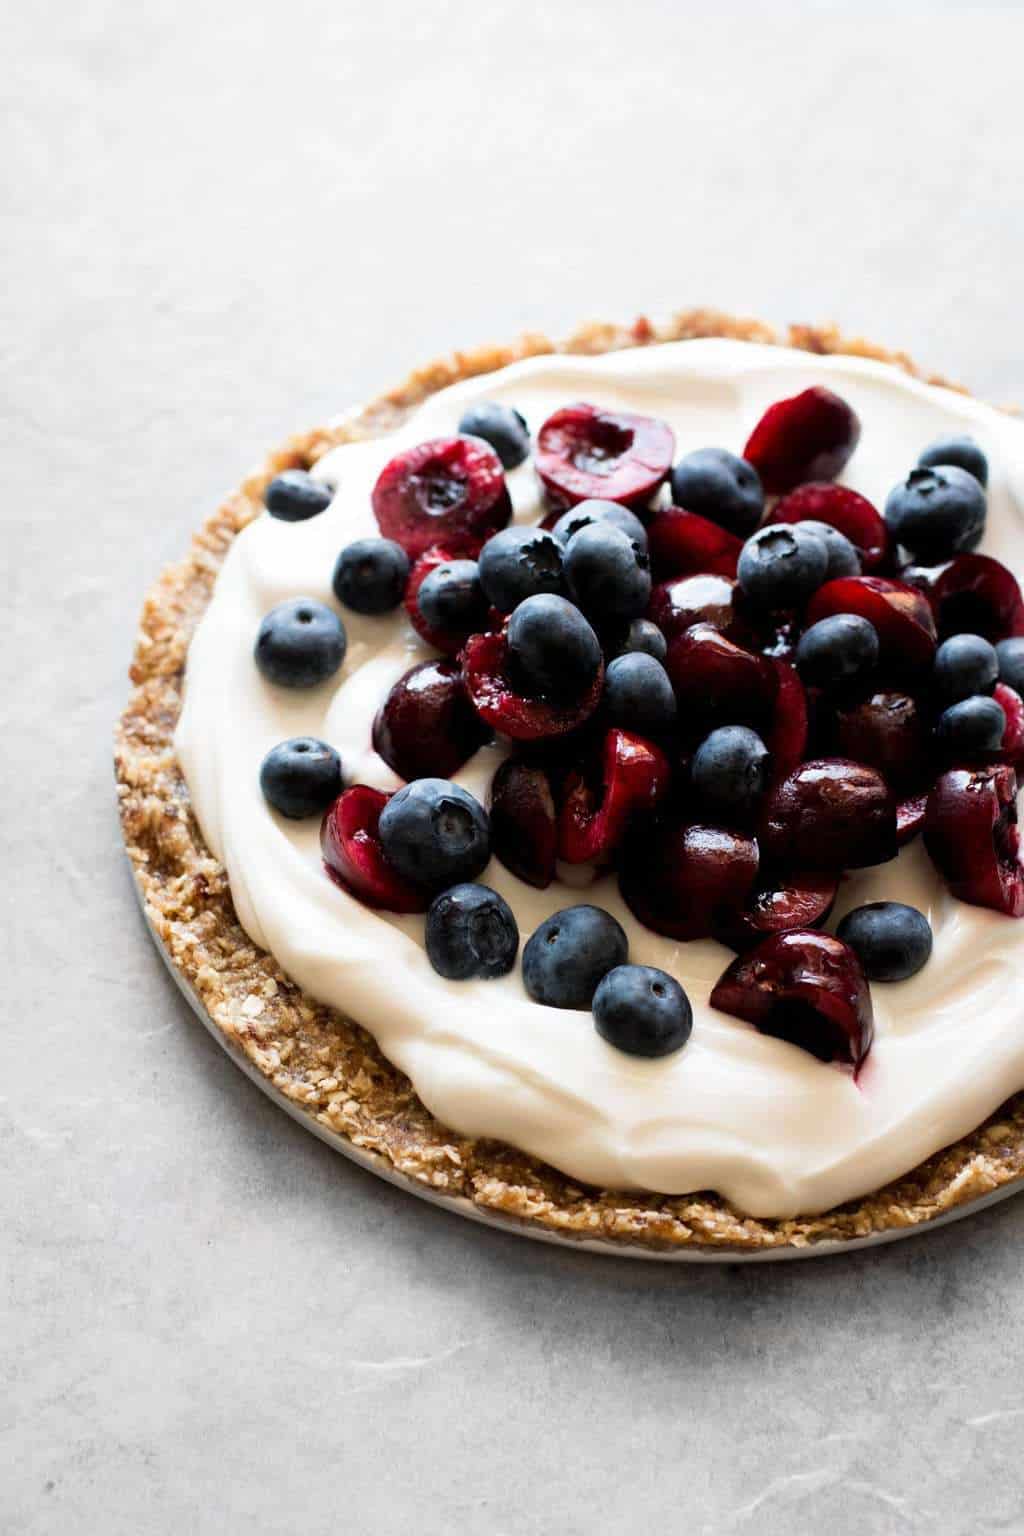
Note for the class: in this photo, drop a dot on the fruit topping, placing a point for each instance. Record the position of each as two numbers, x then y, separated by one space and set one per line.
642 1011
1012 706
847 513
910 814
635 775
972 837
716 485
891 940
294 495
608 575
805 987
524 824
780 904
888 731
1010 654
830 813
936 513
519 563
837 650
586 513
427 725
370 575
450 641
676 605
646 639
471 932
501 426
687 880
435 834
300 643
448 491
495 689
451 600
730 772
962 451
973 728
901 616
584 451
638 695
810 436
570 954
964 665
781 565
352 852
786 737
971 593
683 544
717 681
301 777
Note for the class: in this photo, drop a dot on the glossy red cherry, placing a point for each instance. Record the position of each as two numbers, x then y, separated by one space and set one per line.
972 594
888 731
524 825
683 544
353 855
787 735
584 451
449 642
685 880
910 814
972 837
780 904
804 987
427 727
717 681
829 813
845 510
448 491
635 776
1012 706
676 605
810 436
512 714
901 615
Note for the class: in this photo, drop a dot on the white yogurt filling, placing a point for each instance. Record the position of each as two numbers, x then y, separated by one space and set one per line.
770 1128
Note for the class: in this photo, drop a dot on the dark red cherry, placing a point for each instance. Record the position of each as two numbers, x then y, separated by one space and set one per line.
910 814
804 987
829 813
635 774
353 855
676 605
810 436
717 681
512 714
888 731
448 491
685 880
972 837
845 510
900 614
683 544
972 594
1012 706
524 827
584 451
780 904
786 738
427 727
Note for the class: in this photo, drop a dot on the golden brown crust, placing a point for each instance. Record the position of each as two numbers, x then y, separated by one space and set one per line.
331 1068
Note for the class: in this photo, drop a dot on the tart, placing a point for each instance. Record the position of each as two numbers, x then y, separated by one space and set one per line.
599 801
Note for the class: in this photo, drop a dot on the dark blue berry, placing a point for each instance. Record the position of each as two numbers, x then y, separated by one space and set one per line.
1011 662
642 1011
294 496
300 643
965 665
301 777
519 563
973 727
608 576
435 834
891 940
471 932
638 695
717 485
370 575
836 650
781 565
501 426
961 451
570 953
586 513
936 513
730 770
646 639
552 650
843 559
451 597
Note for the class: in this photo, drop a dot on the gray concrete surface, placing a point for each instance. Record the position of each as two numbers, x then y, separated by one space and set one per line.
221 221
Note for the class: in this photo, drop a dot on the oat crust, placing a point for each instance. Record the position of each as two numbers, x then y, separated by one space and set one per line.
330 1068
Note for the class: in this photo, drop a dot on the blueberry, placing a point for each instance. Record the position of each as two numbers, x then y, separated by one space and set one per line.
452 598
974 726
781 565
1011 662
638 695
891 940
370 575
501 426
293 496
517 563
717 485
471 931
843 559
730 770
964 665
608 576
570 953
645 638
642 1011
300 643
936 513
837 650
301 777
552 649
962 451
435 834
586 513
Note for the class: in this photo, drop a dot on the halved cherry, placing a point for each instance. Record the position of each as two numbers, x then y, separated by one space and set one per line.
830 813
353 855
972 836
717 681
686 880
448 641
1012 706
971 594
448 491
786 738
683 544
845 510
901 615
705 599
524 826
810 436
635 775
427 727
584 451
512 714
889 731
910 814
779 904
805 987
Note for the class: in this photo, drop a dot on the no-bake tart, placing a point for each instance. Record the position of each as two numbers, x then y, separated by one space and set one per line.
586 779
